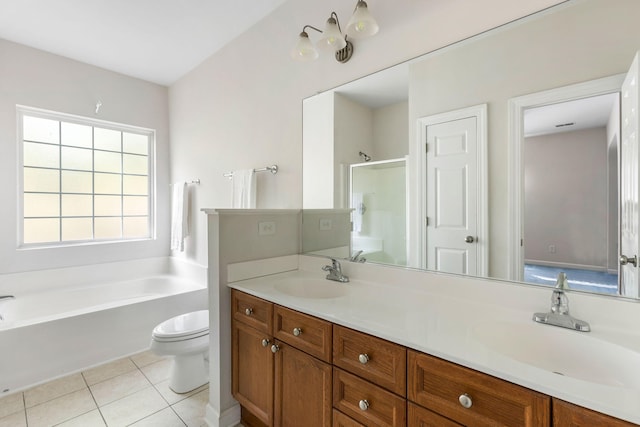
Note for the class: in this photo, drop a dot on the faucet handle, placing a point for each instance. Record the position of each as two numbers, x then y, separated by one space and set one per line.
561 281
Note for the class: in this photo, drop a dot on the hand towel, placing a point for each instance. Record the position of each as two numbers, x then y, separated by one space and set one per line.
244 189
179 216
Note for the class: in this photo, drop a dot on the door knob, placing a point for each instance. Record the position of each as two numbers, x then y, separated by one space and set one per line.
469 239
624 260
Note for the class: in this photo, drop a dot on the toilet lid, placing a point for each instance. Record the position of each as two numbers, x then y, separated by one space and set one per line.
186 324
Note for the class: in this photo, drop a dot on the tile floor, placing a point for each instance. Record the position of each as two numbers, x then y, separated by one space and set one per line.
132 391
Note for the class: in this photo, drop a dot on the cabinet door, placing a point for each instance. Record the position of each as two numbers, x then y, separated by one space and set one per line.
252 371
569 415
303 386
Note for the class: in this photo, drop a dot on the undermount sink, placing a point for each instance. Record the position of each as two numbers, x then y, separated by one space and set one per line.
311 288
564 352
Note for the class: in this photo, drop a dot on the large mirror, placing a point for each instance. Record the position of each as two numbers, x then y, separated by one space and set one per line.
516 164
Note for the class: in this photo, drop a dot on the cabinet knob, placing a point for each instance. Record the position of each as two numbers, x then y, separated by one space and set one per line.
363 404
465 400
363 358
275 348
297 332
248 311
265 342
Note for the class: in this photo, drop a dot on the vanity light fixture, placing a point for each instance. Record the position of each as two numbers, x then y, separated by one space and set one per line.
362 24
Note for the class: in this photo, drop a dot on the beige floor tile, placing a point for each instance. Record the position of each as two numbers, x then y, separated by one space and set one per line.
164 418
173 397
118 387
56 388
11 404
146 358
133 407
109 370
17 419
192 409
61 409
90 419
158 371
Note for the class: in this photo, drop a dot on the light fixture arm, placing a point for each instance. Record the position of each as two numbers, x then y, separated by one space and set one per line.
304 29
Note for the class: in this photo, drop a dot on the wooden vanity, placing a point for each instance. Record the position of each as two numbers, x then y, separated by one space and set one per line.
292 369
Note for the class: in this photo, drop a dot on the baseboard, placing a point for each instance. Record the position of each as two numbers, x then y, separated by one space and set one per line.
228 418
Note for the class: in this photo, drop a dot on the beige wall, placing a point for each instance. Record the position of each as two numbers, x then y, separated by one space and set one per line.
391 131
37 79
566 198
242 107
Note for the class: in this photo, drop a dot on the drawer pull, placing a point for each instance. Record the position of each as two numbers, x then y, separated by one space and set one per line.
363 358
465 400
297 332
363 404
248 311
265 342
275 348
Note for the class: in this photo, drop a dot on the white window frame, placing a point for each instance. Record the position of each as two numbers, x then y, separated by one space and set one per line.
21 112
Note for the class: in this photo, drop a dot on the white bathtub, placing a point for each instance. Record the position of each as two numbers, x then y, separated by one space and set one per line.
51 330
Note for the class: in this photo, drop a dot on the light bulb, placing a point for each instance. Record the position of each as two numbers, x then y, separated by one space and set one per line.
362 23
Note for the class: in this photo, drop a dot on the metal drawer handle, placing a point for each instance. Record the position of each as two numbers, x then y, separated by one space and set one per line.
265 342
275 348
297 332
465 401
363 404
363 358
248 311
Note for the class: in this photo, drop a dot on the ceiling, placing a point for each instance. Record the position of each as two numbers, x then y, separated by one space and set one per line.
154 40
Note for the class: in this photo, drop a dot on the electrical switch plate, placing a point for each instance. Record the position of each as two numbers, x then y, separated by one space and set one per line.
266 228
552 249
325 224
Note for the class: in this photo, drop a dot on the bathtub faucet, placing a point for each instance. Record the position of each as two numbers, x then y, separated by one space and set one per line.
5 297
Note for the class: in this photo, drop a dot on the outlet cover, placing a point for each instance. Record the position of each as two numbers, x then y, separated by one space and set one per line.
325 224
266 228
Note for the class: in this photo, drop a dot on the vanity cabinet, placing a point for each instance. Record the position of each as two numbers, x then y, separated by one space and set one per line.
569 415
472 398
274 378
290 369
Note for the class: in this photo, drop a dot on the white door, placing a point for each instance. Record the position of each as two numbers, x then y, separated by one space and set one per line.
451 232
629 184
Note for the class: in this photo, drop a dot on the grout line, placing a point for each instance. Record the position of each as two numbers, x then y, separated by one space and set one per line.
94 401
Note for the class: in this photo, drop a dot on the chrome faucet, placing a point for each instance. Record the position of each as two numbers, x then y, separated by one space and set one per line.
357 258
335 271
5 297
559 314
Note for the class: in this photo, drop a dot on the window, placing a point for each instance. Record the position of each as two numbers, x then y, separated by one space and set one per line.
83 180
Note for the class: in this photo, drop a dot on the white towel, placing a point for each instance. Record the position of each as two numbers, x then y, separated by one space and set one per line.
179 216
244 189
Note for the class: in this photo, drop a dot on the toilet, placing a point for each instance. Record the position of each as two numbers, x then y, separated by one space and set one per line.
186 338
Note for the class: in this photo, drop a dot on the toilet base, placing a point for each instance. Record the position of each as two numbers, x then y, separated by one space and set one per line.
188 372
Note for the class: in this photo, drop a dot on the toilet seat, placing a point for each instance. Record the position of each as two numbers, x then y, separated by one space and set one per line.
184 327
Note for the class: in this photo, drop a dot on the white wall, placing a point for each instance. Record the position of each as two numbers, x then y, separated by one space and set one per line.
38 79
391 131
242 107
566 198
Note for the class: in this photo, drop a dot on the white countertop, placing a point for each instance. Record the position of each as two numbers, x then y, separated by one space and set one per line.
427 314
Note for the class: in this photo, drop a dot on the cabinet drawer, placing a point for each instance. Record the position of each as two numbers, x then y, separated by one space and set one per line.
379 406
306 333
379 361
341 420
252 311
568 415
417 416
438 385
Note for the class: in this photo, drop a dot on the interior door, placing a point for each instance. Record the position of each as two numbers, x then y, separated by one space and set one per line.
629 184
451 232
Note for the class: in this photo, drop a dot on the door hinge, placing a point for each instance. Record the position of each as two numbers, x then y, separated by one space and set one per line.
521 242
426 147
426 221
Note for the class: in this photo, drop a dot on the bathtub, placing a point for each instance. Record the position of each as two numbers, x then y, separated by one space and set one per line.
52 329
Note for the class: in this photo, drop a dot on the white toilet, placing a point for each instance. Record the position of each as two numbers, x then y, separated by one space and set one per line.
186 338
